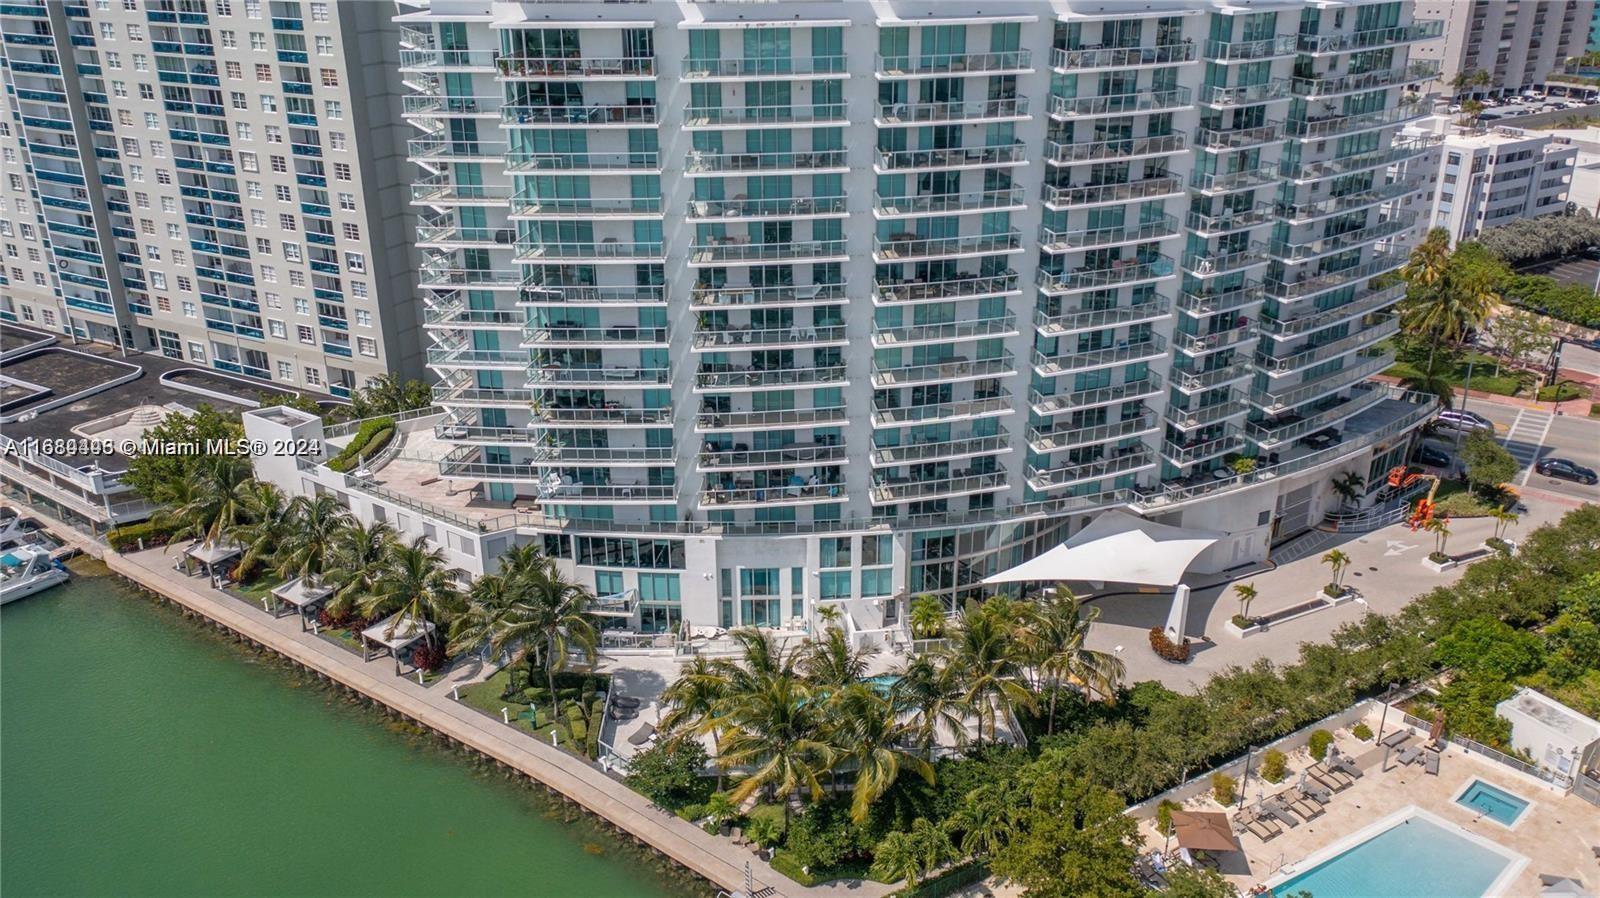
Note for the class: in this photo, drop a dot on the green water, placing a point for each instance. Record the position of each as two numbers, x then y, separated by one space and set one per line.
143 754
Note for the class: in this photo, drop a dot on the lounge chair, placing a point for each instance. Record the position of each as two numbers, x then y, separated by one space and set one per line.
1395 738
1408 755
1314 795
644 734
1304 807
1345 764
1275 807
1430 762
1325 778
1265 830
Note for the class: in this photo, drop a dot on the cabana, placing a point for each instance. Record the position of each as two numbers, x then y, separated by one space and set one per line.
209 558
393 634
302 595
1204 831
1118 547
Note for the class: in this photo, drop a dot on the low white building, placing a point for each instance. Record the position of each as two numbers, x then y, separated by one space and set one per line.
1555 736
1488 178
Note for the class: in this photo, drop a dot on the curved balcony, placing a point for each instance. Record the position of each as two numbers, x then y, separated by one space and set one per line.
1059 242
1400 149
1215 184
941 65
959 286
1221 97
1051 404
1283 361
994 406
735 251
596 115
622 208
1301 213
735 339
953 370
910 248
1072 108
1231 222
554 68
1295 253
1210 302
755 210
1332 86
888 490
1008 200
954 331
547 375
764 69
727 378
1064 323
789 456
714 117
610 415
1122 273
816 162
1209 264
1227 140
965 446
702 297
1231 371
1276 47
1270 433
1061 437
1072 61
1231 405
541 336
1300 325
894 115
1069 360
888 161
1357 368
1189 453
1215 340
783 419
1305 284
1318 45
1058 153
1069 197
1128 460
1326 126
607 250
584 163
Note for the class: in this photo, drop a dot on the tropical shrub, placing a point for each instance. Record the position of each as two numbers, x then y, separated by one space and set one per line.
428 656
127 538
1222 788
1166 649
825 836
1362 731
1488 463
1318 746
369 438
767 826
1164 815
668 773
1274 764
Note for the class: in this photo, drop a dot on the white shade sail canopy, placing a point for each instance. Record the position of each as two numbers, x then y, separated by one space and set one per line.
1117 547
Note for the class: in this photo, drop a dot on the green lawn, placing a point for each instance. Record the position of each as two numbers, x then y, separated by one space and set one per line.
259 588
487 697
1454 370
1457 500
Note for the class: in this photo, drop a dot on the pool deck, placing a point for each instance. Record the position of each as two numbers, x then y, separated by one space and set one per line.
1554 834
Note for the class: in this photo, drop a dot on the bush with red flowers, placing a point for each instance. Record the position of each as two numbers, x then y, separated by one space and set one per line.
427 656
1176 652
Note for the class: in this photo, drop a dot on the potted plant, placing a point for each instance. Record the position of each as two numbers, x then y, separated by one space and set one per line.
1242 465
1438 560
1246 593
1339 562
1503 520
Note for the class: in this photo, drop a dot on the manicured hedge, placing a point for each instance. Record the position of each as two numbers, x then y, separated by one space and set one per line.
127 537
371 437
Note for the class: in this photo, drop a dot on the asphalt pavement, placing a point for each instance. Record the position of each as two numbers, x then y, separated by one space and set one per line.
1532 434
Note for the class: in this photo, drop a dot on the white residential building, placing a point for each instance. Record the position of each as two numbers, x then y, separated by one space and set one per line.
1516 42
1488 178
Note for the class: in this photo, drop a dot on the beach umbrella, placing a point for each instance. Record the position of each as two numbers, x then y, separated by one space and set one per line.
1204 831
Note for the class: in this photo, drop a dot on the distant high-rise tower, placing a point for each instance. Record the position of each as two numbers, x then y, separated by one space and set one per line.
1515 43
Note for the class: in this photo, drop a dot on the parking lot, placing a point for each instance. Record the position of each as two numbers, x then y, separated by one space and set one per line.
1578 271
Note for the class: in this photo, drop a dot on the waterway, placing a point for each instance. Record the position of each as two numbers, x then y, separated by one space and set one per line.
142 753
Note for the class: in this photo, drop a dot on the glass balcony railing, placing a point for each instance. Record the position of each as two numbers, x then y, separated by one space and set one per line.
633 335
887 490
1372 39
1399 149
991 406
1119 273
732 250
707 297
912 247
1070 359
1249 50
787 456
721 376
947 204
1286 251
1229 139
891 114
440 105
797 207
1068 60
1126 460
755 338
1299 325
884 455
701 163
1063 436
543 67
765 116
1230 182
1207 263
1221 96
1057 242
1077 196
1230 221
959 157
953 369
781 419
1190 382
600 251
1120 104
952 331
1210 302
583 163
1058 153
1331 85
958 286
1060 323
694 68
1283 361
616 375
1015 61
1323 127
576 115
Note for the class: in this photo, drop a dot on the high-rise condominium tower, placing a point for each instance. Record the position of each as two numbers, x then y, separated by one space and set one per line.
215 181
1514 43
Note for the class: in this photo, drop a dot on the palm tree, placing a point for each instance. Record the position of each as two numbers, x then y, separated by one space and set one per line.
309 544
927 617
931 691
1347 487
210 503
552 620
773 729
415 584
986 819
1247 593
1440 528
1503 520
1425 272
832 660
867 730
357 562
1060 633
896 857
269 521
1339 561
1449 298
691 699
985 651
479 625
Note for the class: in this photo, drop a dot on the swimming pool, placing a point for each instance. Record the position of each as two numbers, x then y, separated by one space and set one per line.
1413 858
1493 802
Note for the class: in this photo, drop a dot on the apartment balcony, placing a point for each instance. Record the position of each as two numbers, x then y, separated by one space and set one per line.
973 112
995 406
1064 436
887 490
723 378
1064 198
461 389
1238 96
1071 62
954 370
1296 253
1356 369
619 376
737 251
1373 39
1191 453
432 60
714 498
1332 86
596 115
1301 213
459 431
1401 148
1273 433
1052 404
1231 406
1066 109
964 446
524 207
703 297
1069 360
584 163
440 148
945 65
1231 222
738 339
959 286
537 292
1058 153
789 456
446 356
1299 325
541 336
1278 46
710 118
1305 284
1078 320
551 68
1122 273
924 205
1212 264
459 317
602 456
948 332
440 106
998 155
798 68
743 164
782 419
1327 126
1060 242
1190 383
911 248
1197 346
441 190
1227 140
1279 361
1127 460
607 250
469 279
452 236
1220 184
758 210
611 415
1210 302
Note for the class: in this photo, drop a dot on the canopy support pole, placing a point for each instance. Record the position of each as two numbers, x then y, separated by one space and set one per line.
1178 614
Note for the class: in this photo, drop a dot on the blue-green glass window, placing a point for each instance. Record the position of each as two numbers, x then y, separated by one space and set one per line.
834 585
607 583
658 588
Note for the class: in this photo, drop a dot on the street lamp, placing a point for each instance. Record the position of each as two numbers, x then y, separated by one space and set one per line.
1466 388
1382 719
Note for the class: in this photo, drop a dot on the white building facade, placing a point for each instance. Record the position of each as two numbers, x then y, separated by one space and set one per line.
847 301
1486 179
1516 42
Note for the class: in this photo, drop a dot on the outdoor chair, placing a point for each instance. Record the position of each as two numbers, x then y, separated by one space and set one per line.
1408 755
1279 811
1430 762
1307 809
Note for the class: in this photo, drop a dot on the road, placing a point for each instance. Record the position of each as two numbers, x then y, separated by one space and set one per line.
1574 270
1580 360
1530 435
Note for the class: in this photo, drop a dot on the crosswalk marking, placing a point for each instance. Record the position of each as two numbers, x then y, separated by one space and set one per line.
1525 437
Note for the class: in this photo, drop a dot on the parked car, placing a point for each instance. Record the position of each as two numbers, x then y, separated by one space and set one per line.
1430 456
1463 421
1565 469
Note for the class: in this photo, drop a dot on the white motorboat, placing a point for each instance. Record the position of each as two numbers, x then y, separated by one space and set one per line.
27 569
18 531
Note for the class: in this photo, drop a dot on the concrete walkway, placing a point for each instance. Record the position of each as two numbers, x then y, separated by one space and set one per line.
714 858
